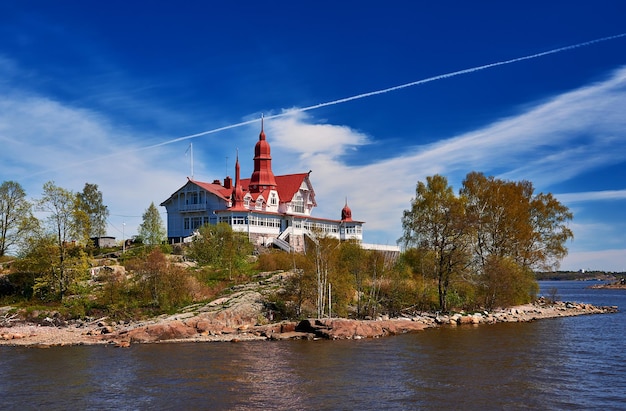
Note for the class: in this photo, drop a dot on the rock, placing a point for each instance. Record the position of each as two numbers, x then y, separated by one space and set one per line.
338 329
293 335
466 319
159 332
106 329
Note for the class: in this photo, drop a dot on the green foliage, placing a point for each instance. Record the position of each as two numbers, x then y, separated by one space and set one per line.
17 286
481 246
505 283
222 248
91 213
436 223
277 260
53 277
16 217
160 283
152 229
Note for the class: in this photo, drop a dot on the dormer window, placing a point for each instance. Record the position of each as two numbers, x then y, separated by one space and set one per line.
298 204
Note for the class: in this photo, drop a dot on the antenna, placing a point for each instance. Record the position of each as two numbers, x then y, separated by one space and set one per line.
191 152
190 149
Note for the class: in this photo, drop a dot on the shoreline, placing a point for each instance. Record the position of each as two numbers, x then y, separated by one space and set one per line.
226 327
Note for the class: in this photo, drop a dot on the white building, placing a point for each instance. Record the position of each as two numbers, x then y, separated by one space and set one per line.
270 209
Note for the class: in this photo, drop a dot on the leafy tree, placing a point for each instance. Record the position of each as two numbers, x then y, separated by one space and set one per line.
16 217
377 268
61 229
484 244
351 260
91 212
510 221
152 229
53 278
506 283
299 293
163 284
436 222
220 246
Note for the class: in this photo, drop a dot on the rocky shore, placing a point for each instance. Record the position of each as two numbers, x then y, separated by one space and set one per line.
243 316
235 319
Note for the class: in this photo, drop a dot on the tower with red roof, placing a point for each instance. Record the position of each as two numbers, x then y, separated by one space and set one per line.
272 210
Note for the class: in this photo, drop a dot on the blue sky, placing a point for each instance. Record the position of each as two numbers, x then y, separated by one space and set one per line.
103 92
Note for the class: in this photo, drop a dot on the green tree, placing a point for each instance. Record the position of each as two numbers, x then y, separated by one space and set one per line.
300 291
505 283
91 212
510 221
16 217
436 222
60 225
164 285
152 229
53 278
351 261
221 247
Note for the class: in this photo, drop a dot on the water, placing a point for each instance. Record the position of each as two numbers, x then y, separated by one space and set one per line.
558 364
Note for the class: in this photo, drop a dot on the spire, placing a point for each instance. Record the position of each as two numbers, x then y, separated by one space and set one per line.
346 213
262 134
237 194
237 169
262 176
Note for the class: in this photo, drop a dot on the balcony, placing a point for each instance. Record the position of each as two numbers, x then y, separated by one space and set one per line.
189 208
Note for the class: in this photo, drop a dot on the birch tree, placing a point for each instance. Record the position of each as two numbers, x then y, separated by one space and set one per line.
16 217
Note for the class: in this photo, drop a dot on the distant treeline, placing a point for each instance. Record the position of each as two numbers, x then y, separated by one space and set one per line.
578 275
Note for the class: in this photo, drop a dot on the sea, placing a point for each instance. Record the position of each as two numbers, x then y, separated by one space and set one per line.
572 363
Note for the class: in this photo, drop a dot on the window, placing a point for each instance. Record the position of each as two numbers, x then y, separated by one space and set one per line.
298 204
196 222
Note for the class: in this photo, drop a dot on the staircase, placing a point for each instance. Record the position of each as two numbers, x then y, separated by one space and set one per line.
282 244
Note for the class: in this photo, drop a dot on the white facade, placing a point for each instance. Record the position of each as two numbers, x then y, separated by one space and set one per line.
270 209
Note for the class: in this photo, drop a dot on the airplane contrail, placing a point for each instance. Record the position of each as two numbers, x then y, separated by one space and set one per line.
394 88
356 97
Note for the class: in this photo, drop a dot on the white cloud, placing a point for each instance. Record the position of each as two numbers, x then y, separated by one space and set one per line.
554 141
45 140
605 195
295 134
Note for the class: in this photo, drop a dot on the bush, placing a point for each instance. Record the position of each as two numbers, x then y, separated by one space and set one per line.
504 283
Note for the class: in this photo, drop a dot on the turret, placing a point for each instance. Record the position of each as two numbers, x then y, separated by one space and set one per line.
262 177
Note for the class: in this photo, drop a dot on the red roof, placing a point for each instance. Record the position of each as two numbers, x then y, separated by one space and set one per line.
287 186
214 188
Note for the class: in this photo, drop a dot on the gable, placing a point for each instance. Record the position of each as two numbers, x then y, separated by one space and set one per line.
212 188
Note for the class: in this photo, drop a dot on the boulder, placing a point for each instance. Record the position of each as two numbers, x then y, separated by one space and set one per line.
160 332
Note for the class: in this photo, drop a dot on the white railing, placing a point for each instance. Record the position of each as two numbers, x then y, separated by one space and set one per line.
192 207
284 245
285 233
